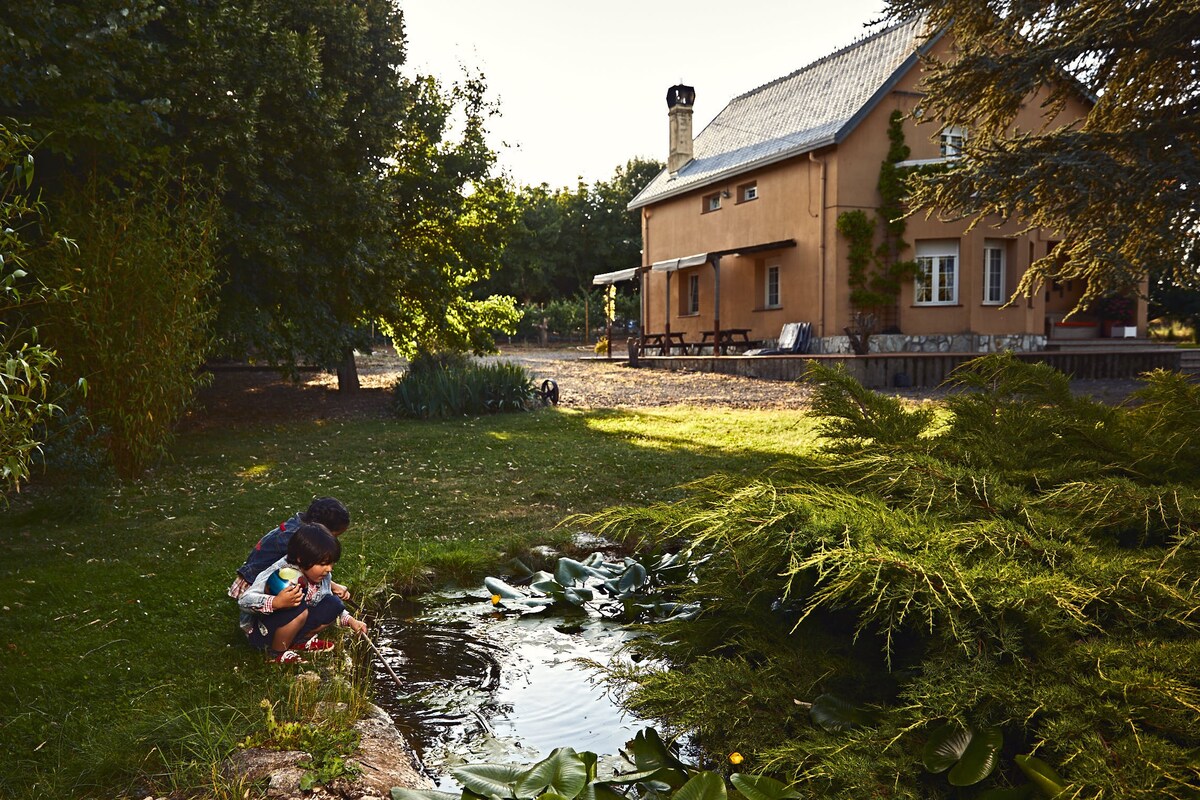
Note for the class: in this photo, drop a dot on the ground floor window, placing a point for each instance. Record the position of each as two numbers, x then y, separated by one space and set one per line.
937 272
771 299
693 294
993 272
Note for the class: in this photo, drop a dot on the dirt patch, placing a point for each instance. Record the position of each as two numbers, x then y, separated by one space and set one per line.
242 396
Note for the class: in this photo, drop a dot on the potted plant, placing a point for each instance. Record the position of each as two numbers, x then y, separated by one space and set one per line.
1116 316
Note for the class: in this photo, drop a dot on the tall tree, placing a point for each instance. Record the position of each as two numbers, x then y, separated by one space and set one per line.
562 237
1120 187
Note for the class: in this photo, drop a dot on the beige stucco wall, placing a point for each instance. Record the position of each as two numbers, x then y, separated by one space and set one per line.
813 285
786 208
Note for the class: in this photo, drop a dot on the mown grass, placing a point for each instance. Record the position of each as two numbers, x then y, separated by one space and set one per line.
121 666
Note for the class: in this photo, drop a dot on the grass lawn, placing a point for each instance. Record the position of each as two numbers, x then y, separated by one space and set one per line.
120 659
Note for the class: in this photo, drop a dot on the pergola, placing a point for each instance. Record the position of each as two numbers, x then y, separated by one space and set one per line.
713 257
611 279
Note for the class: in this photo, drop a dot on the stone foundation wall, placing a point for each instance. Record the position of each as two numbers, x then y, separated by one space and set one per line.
935 343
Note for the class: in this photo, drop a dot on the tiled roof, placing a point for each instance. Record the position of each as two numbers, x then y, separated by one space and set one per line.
810 108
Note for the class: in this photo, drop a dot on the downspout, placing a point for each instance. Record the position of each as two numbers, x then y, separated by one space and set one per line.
644 279
820 215
716 265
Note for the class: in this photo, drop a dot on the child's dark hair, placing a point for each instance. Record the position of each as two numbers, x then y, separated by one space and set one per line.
327 511
313 544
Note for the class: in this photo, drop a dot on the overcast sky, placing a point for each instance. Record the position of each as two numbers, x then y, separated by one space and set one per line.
582 87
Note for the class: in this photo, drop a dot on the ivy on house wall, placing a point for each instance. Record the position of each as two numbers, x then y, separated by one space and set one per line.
877 271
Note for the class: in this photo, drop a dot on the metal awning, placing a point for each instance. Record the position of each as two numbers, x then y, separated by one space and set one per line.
673 264
608 278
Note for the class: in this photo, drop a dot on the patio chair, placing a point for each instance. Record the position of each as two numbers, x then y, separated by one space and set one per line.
794 339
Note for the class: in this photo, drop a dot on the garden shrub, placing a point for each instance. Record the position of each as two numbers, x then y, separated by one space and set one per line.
443 385
1019 572
26 363
138 330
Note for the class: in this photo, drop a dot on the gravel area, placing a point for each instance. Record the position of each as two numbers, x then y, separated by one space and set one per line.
262 396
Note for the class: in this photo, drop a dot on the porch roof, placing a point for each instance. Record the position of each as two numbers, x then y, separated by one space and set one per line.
673 264
608 278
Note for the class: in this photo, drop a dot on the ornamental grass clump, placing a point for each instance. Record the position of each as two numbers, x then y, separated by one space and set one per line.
440 386
1000 601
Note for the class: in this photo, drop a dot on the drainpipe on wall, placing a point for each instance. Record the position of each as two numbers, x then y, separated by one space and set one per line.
820 215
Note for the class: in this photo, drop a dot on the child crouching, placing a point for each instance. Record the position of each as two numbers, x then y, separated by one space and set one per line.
290 620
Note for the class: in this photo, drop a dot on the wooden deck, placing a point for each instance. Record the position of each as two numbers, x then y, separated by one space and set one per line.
882 370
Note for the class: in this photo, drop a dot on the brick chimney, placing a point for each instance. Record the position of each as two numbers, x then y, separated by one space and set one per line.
679 104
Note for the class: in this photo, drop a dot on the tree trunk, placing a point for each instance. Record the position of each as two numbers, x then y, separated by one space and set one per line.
348 372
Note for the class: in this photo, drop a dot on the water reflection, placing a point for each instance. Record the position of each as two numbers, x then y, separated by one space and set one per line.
481 687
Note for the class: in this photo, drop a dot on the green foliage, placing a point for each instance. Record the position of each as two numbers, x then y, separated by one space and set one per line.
329 747
432 390
137 330
623 589
876 273
1020 569
1118 186
652 771
25 363
560 238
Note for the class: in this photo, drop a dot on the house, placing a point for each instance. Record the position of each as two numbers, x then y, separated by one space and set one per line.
740 230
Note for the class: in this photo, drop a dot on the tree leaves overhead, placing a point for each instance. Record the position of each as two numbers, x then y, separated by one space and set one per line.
349 191
1119 187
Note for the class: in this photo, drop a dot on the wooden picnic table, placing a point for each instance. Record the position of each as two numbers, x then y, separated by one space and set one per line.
729 336
664 342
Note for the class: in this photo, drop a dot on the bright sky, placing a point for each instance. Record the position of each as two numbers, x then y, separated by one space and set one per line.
582 87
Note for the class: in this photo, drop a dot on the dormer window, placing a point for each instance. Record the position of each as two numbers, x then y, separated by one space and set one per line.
952 140
712 202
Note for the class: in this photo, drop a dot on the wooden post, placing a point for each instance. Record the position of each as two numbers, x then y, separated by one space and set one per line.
716 263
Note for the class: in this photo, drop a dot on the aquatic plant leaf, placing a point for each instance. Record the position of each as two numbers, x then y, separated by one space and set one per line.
547 585
569 571
634 578
832 713
703 786
600 791
497 586
648 751
1048 782
970 753
980 759
489 780
399 793
577 595
519 567
591 761
945 747
761 787
562 772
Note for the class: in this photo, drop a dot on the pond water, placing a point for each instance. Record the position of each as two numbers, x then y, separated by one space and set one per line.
479 686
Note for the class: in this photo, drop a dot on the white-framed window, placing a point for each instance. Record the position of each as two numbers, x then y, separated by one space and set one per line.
952 140
771 287
712 202
994 262
937 273
693 299
747 192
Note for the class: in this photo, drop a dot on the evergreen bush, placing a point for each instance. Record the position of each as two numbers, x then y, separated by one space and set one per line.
1003 593
448 386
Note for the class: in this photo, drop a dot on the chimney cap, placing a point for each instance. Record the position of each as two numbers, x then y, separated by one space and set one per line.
680 95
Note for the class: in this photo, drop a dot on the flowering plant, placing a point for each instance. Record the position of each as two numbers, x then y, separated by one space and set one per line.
1116 308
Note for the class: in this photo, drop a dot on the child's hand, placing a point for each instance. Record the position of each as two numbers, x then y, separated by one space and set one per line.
358 626
341 591
290 597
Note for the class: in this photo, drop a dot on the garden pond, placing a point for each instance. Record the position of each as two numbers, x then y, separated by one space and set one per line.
482 686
